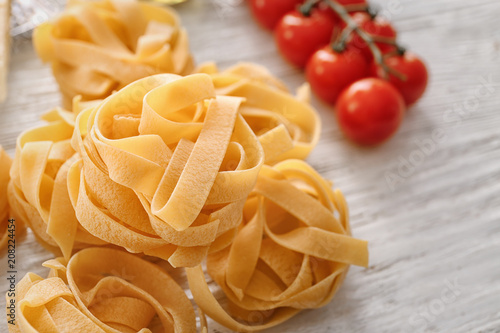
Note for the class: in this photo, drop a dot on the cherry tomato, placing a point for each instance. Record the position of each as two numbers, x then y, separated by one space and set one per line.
378 27
299 36
370 111
415 71
329 72
269 12
326 9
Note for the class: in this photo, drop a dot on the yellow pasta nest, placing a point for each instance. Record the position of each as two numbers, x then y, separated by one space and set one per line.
96 47
292 251
100 290
166 168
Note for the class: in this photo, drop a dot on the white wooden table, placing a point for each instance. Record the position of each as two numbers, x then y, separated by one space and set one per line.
434 228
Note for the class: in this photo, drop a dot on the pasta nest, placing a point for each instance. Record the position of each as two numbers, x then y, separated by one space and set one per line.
96 47
166 168
291 252
101 290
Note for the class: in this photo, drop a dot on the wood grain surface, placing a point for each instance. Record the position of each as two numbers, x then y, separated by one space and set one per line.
428 200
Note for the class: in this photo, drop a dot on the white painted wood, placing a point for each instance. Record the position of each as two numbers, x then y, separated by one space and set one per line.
438 227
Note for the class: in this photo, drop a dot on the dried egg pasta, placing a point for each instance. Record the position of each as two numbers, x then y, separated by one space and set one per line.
292 251
165 169
102 290
96 47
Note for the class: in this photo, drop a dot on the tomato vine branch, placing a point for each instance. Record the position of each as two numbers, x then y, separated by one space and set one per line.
352 26
357 8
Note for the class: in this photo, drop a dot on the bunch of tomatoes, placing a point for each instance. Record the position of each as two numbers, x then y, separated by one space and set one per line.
351 60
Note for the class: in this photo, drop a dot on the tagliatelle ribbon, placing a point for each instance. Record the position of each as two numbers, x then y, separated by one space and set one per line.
287 126
166 168
292 251
102 290
96 47
38 191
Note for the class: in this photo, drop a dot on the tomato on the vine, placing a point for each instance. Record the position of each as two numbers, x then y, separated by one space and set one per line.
415 71
269 12
329 72
370 111
299 36
375 27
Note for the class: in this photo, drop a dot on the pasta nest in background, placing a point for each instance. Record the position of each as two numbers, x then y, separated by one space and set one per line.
102 290
96 47
291 252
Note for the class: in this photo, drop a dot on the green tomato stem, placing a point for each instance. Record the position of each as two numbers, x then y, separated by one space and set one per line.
356 8
307 7
352 26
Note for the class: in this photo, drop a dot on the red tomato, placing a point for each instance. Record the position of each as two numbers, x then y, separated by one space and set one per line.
325 9
299 36
269 12
376 27
329 72
370 111
415 71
